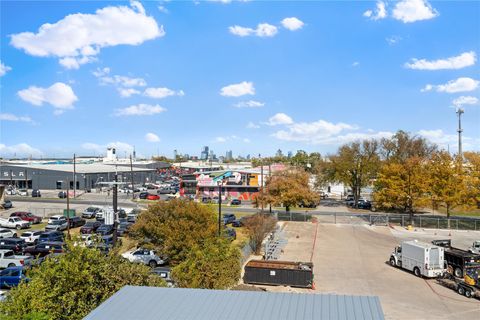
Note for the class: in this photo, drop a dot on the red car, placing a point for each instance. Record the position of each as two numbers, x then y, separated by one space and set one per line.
153 197
27 216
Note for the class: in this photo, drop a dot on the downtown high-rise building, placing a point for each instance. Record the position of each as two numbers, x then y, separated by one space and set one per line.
204 153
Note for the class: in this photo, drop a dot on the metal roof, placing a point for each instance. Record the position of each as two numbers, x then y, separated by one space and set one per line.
83 168
155 303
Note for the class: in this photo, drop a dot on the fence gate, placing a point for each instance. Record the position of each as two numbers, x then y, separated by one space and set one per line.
379 220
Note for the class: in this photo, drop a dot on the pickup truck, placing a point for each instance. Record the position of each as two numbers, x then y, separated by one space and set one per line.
14 223
9 259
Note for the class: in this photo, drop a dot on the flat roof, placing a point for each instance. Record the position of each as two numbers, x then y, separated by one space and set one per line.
83 168
153 303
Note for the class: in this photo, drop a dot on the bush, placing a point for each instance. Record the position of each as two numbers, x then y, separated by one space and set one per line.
259 226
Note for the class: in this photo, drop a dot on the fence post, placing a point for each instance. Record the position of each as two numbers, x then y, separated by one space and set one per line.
402 220
438 223
335 215
420 222
457 223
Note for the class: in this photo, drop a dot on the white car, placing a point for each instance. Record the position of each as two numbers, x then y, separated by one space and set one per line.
6 233
145 256
11 192
57 217
58 225
23 192
31 236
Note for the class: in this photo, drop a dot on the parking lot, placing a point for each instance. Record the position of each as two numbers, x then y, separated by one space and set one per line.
352 259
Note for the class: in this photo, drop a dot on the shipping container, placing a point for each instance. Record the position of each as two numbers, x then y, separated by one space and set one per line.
284 273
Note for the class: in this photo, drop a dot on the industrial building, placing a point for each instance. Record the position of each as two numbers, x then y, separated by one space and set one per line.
156 303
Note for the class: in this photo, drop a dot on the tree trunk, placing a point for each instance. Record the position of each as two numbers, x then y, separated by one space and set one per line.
448 211
287 209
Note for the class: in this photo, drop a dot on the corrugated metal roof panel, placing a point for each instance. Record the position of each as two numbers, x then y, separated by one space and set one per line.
152 303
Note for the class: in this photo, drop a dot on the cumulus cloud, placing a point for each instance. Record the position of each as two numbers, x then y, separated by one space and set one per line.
59 95
78 38
127 92
409 11
252 125
140 110
459 85
463 100
379 13
4 69
160 93
152 137
292 23
262 30
449 141
393 40
238 89
463 60
249 104
312 132
355 64
12 117
104 78
19 150
278 119
220 139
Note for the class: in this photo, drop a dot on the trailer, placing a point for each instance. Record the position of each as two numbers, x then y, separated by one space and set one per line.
457 260
286 273
423 259
469 286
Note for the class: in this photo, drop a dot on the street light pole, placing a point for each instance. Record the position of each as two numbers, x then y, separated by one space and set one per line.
68 209
115 209
220 208
460 111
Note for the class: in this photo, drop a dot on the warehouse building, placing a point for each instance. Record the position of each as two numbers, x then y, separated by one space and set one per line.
84 176
155 303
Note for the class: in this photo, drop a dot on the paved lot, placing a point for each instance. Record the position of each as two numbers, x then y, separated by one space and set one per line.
352 259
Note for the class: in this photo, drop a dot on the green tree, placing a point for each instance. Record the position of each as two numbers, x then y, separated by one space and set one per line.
288 187
402 146
214 264
71 285
174 227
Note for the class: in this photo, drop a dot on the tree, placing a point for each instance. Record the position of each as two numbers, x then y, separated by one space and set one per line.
472 177
402 185
214 264
174 227
355 165
259 226
289 187
447 183
71 285
402 146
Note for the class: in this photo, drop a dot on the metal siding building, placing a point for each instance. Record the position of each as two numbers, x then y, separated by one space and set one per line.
151 303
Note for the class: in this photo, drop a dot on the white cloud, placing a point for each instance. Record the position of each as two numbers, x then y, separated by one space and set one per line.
379 13
466 59
453 86
140 110
101 149
220 139
19 150
292 23
59 95
12 117
246 140
409 11
238 89
127 92
249 104
355 64
152 137
223 139
393 40
4 69
445 140
278 119
104 78
160 93
252 125
313 132
262 30
163 9
463 100
78 38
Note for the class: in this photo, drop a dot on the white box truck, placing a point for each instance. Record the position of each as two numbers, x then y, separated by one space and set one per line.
423 259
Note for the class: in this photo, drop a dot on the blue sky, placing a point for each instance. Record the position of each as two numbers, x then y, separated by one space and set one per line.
252 77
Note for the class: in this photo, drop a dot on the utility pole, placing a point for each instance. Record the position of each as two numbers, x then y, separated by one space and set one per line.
261 185
460 111
220 208
131 176
68 209
26 181
74 176
115 209
269 176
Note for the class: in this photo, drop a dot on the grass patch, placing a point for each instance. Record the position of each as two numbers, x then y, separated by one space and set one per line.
460 212
242 237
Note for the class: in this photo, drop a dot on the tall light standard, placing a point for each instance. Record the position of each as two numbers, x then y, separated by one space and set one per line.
459 112
220 185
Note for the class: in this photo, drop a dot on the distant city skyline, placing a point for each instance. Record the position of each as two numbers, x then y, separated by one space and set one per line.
249 77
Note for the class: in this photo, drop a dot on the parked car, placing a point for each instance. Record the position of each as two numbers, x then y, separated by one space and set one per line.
12 277
50 236
235 202
7 204
17 245
104 229
145 256
132 217
230 233
31 237
143 195
62 194
304 204
206 199
27 216
122 228
165 273
100 216
153 197
23 192
90 227
11 191
228 218
90 212
56 217
7 233
239 222
9 259
58 225
364 204
76 222
14 223
36 193
44 248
